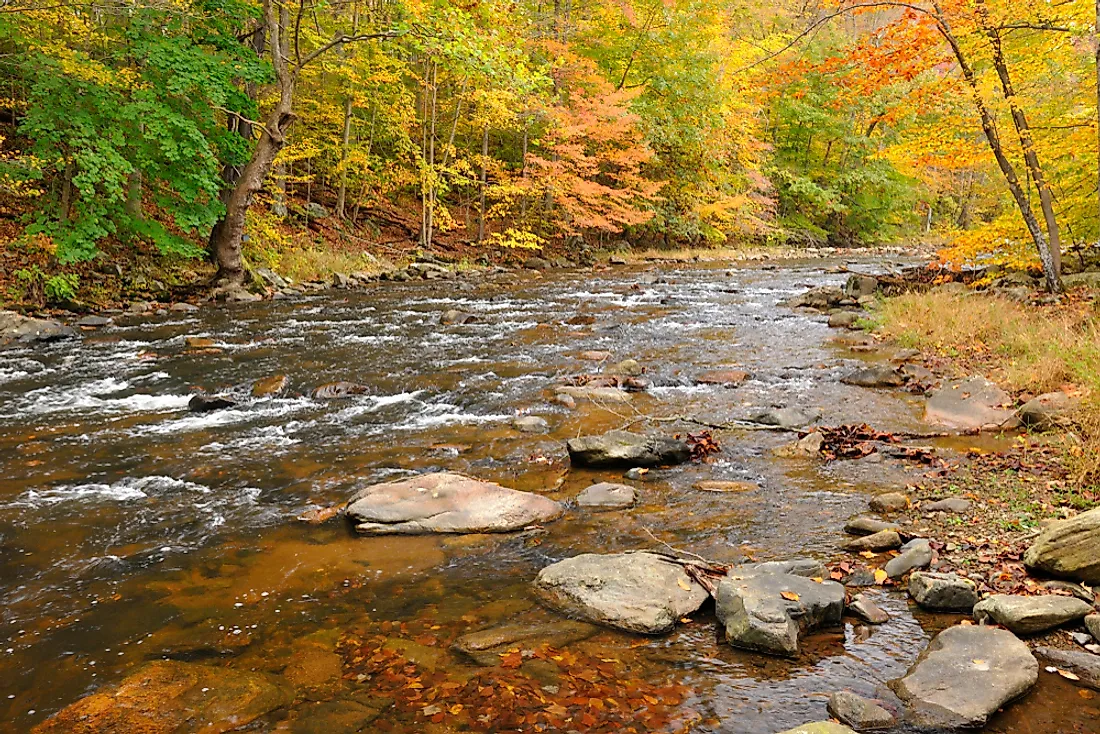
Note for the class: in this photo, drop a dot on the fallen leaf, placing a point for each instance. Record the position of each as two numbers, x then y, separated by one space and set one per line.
867 554
789 595
880 577
1068 675
683 584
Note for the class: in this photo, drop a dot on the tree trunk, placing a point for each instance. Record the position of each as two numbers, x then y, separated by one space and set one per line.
133 195
278 206
481 186
341 195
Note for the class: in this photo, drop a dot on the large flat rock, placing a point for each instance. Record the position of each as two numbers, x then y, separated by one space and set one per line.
24 330
636 592
965 675
971 404
622 448
1030 615
446 503
1069 548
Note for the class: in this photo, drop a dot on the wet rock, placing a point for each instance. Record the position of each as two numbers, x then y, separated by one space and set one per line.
943 592
168 696
617 260
861 286
183 308
596 395
769 612
446 503
915 554
566 401
94 322
877 376
1077 590
637 474
1047 412
868 526
537 263
237 294
889 502
808 445
717 485
820 727
858 712
790 418
340 716
822 298
454 316
486 646
805 567
951 505
319 515
622 448
15 328
725 378
340 280
879 542
206 403
198 342
1029 615
629 367
1092 624
530 424
338 391
965 675
269 387
1085 665
593 356
607 496
971 404
844 319
636 592
867 610
1069 549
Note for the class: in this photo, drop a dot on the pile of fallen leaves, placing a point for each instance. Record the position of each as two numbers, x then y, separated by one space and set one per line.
702 445
852 441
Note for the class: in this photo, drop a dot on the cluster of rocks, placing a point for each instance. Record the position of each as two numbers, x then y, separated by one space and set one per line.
273 386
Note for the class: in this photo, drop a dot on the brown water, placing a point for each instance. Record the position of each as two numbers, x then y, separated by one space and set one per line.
131 529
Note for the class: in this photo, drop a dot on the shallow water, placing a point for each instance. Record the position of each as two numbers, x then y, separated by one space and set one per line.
131 528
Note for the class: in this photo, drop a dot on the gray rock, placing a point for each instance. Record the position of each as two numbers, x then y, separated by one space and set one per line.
486 646
965 675
867 610
877 376
607 496
1084 665
952 505
943 592
914 554
594 394
629 367
805 567
725 378
820 727
338 390
858 712
785 417
1092 624
843 319
205 403
537 263
566 401
860 286
757 616
971 404
863 525
822 298
636 592
1029 615
621 448
889 502
316 211
340 280
1069 549
446 503
455 316
271 278
1077 590
530 424
94 322
808 446
25 330
1047 412
883 540
183 308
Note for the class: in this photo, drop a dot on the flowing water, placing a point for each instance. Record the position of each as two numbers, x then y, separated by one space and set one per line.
131 529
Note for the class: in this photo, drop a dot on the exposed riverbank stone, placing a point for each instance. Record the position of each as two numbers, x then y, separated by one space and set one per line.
863 525
269 387
951 505
168 696
861 286
943 592
622 448
807 446
15 328
917 553
858 712
876 376
844 319
338 391
725 378
1069 548
790 418
607 496
636 592
446 503
455 317
769 611
1085 665
1029 615
883 540
593 394
719 485
971 404
889 502
1047 412
486 646
867 610
530 424
1092 624
822 298
965 675
820 727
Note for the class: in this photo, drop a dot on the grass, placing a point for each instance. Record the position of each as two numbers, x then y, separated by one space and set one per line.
318 264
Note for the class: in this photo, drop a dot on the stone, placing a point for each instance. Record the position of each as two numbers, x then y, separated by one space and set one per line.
340 280
198 342
629 367
965 675
879 542
943 592
971 404
316 211
622 448
269 387
486 646
340 716
237 294
454 316
1085 665
593 356
607 496
537 263
566 401
889 502
785 417
183 308
94 322
857 712
1047 412
723 378
1077 590
951 505
717 485
24 330
877 376
769 612
338 390
595 394
637 473
1092 624
206 403
617 260
822 298
530 424
805 567
1069 549
915 554
867 610
270 278
636 592
1029 615
809 445
446 503
820 727
859 285
169 696
844 319
863 525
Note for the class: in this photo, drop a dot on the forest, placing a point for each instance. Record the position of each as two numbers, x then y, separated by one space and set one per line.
219 136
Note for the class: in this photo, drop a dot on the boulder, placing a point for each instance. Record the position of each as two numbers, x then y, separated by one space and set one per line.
965 675
917 553
530 424
592 356
537 263
15 328
1092 624
876 376
607 496
183 308
169 696
808 445
822 299
270 278
446 503
724 378
1085 665
94 322
951 505
858 712
718 485
636 592
860 286
340 280
622 448
971 404
486 646
943 592
785 417
594 394
1047 412
879 542
820 727
338 390
769 611
269 387
863 525
1069 549
844 319
1029 615
455 316
867 610
889 502
206 403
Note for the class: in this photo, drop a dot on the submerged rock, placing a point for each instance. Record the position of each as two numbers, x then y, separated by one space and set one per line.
446 503
1069 549
971 404
725 378
205 403
718 485
785 417
486 646
269 387
593 394
338 391
1029 615
878 376
607 496
622 448
820 727
965 675
636 592
808 446
867 610
858 712
943 592
1085 665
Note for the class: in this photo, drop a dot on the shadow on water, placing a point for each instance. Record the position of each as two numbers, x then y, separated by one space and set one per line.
133 530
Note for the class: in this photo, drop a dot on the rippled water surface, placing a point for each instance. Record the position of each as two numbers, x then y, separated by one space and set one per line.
131 529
